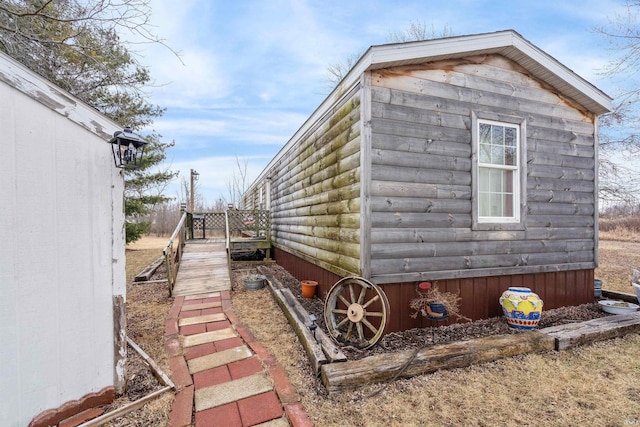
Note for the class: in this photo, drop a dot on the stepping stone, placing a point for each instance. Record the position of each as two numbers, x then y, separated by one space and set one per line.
201 306
202 296
207 318
278 422
231 391
220 358
206 337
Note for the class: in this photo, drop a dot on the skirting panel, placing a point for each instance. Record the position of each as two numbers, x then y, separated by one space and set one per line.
479 296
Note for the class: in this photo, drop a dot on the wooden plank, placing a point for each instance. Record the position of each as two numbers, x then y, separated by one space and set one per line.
566 185
623 296
204 268
336 246
417 235
348 235
157 372
419 276
493 247
604 328
420 189
352 374
329 348
420 205
423 220
406 113
313 350
561 148
559 196
329 257
417 130
345 220
420 145
557 172
146 274
385 266
474 97
420 160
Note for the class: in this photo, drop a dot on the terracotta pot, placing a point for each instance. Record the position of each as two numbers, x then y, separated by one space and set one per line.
308 288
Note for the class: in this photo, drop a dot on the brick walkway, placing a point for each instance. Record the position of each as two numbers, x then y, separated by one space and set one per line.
223 376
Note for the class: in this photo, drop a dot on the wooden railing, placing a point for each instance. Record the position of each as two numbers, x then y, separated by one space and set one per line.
248 223
173 250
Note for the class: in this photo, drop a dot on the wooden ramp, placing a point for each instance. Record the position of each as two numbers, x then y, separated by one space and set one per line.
204 268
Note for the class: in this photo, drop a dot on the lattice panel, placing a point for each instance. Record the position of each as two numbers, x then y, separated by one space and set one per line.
249 221
214 221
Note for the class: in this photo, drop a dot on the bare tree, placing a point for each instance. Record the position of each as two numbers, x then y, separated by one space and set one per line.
415 32
237 184
419 31
620 129
78 45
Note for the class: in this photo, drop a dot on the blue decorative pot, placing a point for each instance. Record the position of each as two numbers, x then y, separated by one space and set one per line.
436 311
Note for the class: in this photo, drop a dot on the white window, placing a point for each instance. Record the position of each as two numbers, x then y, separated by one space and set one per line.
498 173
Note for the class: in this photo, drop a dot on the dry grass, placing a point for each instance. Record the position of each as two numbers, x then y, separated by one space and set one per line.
617 257
147 307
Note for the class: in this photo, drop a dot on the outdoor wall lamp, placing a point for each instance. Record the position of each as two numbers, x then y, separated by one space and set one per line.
127 148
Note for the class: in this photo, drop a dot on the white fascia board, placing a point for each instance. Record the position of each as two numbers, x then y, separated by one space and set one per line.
564 73
36 87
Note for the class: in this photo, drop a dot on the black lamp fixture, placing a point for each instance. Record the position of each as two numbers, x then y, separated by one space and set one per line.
128 148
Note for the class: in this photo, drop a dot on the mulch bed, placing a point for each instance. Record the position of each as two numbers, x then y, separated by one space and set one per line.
421 337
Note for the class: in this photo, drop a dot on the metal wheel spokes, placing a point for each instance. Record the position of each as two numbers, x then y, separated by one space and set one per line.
355 312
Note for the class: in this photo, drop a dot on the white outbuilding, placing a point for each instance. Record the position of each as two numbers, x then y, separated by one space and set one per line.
62 252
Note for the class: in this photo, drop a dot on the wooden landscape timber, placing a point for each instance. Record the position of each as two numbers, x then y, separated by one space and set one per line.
145 275
319 347
604 328
338 377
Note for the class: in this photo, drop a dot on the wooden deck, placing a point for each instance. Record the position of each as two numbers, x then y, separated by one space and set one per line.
204 268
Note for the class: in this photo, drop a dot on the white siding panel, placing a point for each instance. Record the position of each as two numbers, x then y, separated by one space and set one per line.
60 220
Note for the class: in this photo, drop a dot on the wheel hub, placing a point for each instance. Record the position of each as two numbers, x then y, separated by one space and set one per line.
355 312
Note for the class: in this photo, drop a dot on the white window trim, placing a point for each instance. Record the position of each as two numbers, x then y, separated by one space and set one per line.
520 177
516 176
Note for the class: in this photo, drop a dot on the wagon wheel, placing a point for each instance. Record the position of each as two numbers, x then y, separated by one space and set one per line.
355 312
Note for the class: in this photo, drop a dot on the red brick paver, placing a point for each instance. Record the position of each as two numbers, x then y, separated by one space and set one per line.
225 415
281 402
259 409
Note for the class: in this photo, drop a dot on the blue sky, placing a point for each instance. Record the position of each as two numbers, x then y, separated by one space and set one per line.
254 70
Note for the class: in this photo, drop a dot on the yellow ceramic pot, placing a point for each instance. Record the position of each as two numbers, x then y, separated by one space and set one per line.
521 307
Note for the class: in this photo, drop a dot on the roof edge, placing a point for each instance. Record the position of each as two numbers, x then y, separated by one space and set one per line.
25 80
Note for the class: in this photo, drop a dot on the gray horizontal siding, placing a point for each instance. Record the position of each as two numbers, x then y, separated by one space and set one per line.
421 173
315 192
